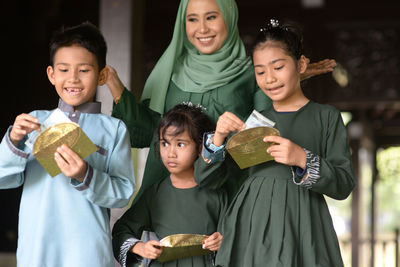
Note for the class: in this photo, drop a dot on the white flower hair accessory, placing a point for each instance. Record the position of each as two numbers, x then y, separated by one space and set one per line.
190 104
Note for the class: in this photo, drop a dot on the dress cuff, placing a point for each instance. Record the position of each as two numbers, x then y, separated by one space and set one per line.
300 172
86 182
312 171
124 250
16 150
210 152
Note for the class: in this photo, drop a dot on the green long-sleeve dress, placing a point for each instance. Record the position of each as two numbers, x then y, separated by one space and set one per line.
240 96
167 210
277 220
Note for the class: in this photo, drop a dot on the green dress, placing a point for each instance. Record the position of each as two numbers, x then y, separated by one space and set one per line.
275 220
167 210
240 96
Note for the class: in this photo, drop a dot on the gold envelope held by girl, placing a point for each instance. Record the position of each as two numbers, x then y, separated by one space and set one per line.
247 147
68 133
182 246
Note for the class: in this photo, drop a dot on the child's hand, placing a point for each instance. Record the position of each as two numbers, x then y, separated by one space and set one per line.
213 242
286 152
227 123
70 163
113 82
150 249
23 124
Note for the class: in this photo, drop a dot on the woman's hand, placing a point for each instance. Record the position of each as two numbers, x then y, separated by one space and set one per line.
70 163
23 124
114 83
149 250
286 152
213 242
320 67
227 123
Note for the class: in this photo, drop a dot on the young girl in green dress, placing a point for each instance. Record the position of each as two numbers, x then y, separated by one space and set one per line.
175 204
279 217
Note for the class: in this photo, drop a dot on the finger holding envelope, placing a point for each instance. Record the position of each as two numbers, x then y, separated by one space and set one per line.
151 249
213 242
227 123
286 152
70 163
23 125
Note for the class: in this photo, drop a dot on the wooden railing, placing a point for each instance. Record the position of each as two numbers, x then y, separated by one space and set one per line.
386 251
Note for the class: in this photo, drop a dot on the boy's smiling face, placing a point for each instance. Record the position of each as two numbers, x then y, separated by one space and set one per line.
75 75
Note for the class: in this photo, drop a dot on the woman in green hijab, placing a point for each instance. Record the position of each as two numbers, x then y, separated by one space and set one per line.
206 64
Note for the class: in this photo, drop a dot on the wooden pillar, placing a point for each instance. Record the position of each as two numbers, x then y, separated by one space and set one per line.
121 22
368 142
355 206
373 207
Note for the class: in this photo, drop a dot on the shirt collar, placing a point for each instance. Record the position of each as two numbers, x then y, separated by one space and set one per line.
88 107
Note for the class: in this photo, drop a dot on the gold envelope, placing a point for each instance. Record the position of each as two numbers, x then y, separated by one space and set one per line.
68 133
181 246
247 147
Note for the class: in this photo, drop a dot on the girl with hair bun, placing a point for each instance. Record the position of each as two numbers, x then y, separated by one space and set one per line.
279 216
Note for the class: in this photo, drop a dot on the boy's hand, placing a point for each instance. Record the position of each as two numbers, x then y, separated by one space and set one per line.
150 249
114 83
286 152
23 124
213 242
70 163
227 123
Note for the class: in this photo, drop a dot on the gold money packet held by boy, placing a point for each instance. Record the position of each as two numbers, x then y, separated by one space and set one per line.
247 147
68 133
182 246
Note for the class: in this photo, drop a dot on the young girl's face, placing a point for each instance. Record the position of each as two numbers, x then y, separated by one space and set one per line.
277 73
178 152
205 26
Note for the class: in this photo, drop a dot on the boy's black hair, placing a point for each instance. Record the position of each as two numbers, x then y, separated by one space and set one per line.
86 35
289 34
187 116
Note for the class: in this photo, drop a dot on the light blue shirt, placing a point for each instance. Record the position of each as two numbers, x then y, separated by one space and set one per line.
62 222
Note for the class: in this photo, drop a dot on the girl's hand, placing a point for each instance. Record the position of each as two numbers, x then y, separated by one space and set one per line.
70 163
150 249
114 83
227 123
320 67
213 242
23 124
286 152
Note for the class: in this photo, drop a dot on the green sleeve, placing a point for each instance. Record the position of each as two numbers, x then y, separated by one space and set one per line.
224 174
336 176
210 175
131 225
224 203
140 120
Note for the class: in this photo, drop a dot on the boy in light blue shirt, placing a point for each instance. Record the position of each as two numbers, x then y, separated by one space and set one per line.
64 221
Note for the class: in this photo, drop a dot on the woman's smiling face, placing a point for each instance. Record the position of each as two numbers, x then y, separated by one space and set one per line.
205 26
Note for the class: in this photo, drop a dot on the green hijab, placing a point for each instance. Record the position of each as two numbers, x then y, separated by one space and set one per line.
191 70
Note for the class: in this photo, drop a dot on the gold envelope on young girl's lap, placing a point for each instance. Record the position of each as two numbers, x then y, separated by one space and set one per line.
181 246
247 147
68 133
